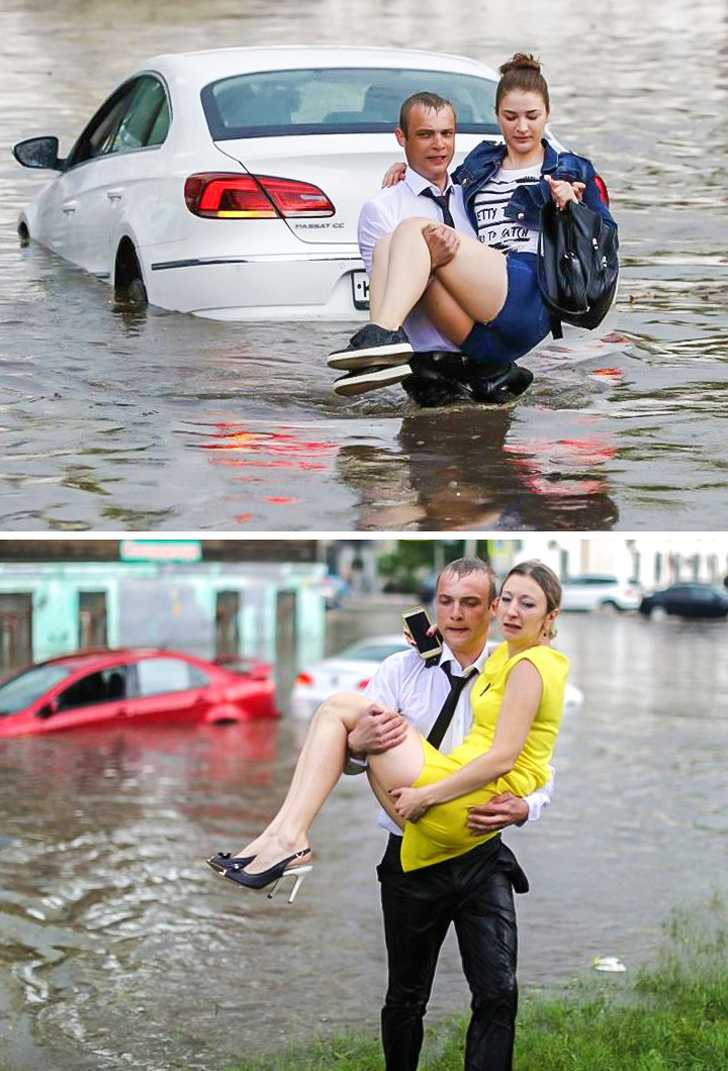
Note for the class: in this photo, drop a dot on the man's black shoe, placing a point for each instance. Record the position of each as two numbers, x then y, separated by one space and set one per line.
499 387
438 378
372 345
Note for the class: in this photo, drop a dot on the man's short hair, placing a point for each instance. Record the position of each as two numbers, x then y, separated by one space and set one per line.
462 567
431 101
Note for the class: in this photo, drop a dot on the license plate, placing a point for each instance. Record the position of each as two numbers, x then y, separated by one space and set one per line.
360 289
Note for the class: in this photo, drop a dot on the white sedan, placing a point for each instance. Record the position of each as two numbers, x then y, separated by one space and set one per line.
352 669
228 183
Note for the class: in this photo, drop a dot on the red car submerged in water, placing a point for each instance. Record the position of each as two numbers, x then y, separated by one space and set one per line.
133 686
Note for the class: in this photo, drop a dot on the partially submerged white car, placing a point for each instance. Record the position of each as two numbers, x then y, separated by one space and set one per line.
228 183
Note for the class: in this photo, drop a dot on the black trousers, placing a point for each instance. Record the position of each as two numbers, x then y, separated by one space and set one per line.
475 894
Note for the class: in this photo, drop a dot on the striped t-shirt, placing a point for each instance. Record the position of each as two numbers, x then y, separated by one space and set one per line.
490 204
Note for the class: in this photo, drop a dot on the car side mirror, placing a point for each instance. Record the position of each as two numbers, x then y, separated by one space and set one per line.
48 709
39 153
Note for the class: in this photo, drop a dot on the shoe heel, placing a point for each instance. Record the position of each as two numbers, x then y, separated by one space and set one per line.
300 873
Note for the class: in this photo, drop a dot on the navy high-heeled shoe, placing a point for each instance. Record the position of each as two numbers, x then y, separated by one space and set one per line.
222 860
273 876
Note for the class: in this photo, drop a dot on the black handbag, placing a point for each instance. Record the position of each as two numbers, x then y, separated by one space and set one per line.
578 266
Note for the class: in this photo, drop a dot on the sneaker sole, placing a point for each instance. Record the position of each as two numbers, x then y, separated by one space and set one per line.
384 377
373 355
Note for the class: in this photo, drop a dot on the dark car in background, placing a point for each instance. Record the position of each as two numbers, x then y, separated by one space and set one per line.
134 686
686 600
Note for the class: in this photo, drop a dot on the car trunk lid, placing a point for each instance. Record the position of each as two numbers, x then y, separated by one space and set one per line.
348 168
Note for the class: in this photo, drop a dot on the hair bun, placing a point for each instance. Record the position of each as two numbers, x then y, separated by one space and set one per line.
521 60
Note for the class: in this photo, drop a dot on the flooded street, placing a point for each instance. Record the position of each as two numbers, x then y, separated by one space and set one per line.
113 420
120 949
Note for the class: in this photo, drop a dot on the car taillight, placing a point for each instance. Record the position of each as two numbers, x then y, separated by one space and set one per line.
220 196
602 187
304 678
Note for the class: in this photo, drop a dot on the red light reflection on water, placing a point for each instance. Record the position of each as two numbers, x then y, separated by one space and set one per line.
563 467
285 448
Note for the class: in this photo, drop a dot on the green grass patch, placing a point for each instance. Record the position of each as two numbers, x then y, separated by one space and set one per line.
670 1017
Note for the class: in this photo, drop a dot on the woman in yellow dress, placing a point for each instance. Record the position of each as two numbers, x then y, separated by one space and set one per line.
517 703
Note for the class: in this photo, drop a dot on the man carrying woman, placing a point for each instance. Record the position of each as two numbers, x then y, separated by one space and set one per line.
517 704
482 294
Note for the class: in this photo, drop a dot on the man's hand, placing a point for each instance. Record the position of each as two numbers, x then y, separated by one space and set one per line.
504 810
377 730
442 241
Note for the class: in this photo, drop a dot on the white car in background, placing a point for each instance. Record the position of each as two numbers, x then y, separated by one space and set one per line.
228 183
600 591
352 669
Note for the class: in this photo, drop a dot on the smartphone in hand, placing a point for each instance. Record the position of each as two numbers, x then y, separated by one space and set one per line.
418 622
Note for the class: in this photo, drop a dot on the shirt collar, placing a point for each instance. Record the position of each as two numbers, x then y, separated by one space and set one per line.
448 656
417 183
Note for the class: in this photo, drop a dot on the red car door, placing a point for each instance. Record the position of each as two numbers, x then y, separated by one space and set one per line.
166 690
95 698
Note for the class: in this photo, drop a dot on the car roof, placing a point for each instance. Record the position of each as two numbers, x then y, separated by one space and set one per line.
104 655
209 65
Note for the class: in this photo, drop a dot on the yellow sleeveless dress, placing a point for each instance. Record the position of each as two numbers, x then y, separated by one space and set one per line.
441 833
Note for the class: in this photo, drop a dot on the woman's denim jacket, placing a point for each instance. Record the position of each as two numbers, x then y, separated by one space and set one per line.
528 201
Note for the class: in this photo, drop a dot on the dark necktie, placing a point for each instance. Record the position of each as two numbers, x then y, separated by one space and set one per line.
443 201
444 718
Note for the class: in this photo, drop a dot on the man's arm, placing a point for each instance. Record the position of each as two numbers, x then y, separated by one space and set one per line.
508 810
379 728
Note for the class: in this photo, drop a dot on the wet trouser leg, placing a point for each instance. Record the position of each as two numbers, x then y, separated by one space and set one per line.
488 940
475 893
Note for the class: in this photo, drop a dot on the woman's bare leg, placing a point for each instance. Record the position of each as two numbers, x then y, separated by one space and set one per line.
317 771
475 278
378 276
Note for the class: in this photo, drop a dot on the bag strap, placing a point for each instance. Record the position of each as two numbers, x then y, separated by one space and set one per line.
557 330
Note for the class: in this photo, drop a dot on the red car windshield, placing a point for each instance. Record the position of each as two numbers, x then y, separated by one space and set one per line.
27 687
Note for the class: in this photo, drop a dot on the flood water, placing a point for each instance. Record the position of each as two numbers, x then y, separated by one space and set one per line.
113 420
120 949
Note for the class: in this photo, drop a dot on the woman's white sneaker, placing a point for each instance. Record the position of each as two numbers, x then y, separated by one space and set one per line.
371 379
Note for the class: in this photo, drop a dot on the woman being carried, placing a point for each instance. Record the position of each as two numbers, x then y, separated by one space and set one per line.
481 294
517 704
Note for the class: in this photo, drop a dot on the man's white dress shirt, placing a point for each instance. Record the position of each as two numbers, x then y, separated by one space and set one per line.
380 216
405 683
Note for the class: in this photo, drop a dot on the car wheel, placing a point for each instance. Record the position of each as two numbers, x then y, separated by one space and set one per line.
129 288
658 613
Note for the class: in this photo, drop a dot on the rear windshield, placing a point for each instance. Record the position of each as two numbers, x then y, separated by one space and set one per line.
336 101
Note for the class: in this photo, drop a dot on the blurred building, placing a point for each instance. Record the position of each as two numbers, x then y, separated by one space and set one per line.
212 597
655 559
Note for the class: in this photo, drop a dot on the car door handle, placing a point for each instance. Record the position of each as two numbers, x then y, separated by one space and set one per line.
114 195
122 712
70 207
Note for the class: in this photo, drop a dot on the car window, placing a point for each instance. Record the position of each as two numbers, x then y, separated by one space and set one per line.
135 116
27 687
320 101
155 676
147 112
102 686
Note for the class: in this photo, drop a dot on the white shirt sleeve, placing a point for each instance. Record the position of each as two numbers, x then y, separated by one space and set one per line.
383 687
374 223
540 799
